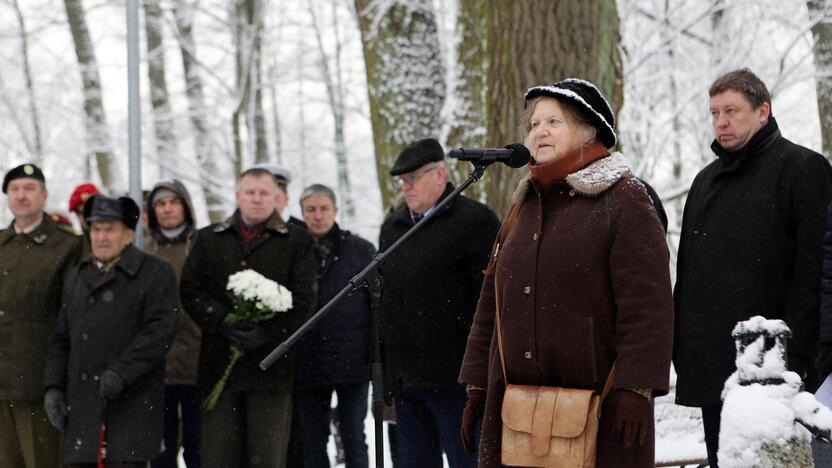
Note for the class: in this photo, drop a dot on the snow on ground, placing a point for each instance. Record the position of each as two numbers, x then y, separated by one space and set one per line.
679 433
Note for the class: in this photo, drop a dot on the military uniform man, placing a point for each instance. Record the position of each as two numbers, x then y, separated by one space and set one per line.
35 254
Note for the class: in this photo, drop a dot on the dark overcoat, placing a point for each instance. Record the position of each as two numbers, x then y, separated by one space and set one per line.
750 245
281 252
826 283
431 285
32 271
122 321
583 281
336 350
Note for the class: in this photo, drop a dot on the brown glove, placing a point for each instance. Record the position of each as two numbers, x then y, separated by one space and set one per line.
631 413
471 415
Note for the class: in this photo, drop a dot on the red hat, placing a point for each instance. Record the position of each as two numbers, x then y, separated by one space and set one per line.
81 194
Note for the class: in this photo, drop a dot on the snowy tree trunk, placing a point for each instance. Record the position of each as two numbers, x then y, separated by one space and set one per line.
468 124
405 78
333 79
166 148
98 136
36 145
203 143
539 42
820 14
248 26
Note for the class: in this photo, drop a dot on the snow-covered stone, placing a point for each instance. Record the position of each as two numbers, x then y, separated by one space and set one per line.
766 415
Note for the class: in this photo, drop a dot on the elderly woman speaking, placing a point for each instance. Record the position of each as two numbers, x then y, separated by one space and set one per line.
578 285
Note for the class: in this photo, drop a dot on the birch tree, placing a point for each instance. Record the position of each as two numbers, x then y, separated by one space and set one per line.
203 141
99 144
405 78
35 146
332 77
248 27
166 147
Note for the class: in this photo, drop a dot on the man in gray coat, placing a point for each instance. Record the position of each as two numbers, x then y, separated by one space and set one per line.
105 370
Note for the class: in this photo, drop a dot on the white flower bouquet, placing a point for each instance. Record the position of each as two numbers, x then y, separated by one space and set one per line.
256 299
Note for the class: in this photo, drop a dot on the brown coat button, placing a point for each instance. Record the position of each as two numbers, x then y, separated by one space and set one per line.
536 236
527 354
527 290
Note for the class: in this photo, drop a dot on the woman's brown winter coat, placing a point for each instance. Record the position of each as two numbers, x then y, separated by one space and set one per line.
584 281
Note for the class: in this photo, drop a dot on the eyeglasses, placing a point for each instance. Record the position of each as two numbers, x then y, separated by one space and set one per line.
413 178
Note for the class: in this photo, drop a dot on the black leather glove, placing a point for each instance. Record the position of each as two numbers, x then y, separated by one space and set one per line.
823 363
54 402
471 415
111 384
244 335
632 415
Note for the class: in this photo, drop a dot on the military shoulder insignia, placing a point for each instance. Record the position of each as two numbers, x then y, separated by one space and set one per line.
222 227
40 238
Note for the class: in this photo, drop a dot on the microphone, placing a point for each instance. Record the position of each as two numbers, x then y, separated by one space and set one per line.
514 155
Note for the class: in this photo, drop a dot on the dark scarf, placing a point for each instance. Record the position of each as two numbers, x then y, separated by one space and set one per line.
757 143
323 250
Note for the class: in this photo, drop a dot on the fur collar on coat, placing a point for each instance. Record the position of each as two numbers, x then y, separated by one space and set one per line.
590 181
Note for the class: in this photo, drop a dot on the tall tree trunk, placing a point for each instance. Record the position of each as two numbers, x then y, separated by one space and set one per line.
333 79
537 42
99 144
820 13
405 78
166 148
468 118
203 143
248 26
37 141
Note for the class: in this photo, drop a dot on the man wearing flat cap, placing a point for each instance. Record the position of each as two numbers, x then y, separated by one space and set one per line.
431 287
35 255
106 360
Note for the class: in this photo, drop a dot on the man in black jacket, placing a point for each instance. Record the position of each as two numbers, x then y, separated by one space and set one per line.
249 427
750 245
334 355
431 287
106 361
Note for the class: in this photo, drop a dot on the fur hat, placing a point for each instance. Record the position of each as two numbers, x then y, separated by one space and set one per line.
586 97
101 208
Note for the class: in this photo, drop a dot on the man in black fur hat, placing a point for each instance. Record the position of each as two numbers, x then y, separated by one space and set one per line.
106 361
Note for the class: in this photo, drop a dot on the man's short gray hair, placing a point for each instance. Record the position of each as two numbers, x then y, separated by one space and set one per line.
318 190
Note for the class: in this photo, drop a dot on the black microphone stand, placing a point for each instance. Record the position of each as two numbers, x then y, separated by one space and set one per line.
371 277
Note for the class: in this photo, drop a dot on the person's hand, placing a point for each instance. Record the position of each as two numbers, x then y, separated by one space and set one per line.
244 335
471 415
111 385
632 417
54 402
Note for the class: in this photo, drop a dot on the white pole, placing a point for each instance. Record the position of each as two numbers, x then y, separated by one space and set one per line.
134 112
